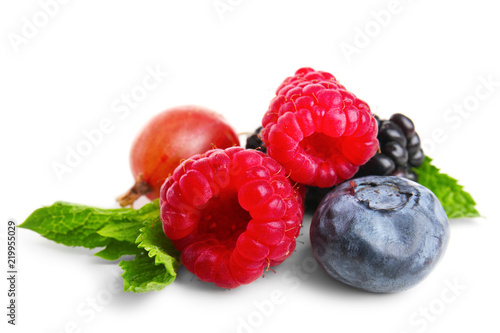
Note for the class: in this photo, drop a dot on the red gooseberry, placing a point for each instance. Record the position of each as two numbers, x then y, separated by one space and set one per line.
169 138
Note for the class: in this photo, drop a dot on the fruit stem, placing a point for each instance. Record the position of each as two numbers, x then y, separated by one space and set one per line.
140 188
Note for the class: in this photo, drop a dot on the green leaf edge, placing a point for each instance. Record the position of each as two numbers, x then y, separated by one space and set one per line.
95 239
426 170
169 262
113 247
116 249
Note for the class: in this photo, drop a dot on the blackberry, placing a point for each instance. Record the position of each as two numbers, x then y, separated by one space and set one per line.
399 149
314 195
254 141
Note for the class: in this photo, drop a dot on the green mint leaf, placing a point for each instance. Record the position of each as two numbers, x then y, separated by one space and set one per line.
78 225
116 249
127 228
70 224
153 239
123 231
456 202
142 274
157 266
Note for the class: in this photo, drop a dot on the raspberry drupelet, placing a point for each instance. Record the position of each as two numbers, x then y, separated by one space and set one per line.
232 213
320 132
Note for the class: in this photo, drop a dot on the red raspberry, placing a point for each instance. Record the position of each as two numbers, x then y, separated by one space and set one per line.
231 213
320 132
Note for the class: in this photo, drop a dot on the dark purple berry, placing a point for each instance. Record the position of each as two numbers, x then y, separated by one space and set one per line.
379 164
417 158
411 175
413 143
400 172
389 131
400 149
396 152
254 141
404 123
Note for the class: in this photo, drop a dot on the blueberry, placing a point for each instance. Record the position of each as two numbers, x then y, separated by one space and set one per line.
379 233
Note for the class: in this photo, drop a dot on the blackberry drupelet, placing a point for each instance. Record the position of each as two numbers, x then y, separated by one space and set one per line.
254 141
399 149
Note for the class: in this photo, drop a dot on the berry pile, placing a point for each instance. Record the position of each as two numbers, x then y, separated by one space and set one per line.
235 212
399 151
232 212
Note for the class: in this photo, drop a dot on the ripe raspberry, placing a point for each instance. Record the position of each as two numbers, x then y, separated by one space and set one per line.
320 132
231 213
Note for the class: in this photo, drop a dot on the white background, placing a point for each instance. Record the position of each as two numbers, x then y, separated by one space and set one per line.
426 59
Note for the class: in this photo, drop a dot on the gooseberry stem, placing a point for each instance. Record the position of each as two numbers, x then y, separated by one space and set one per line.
140 188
